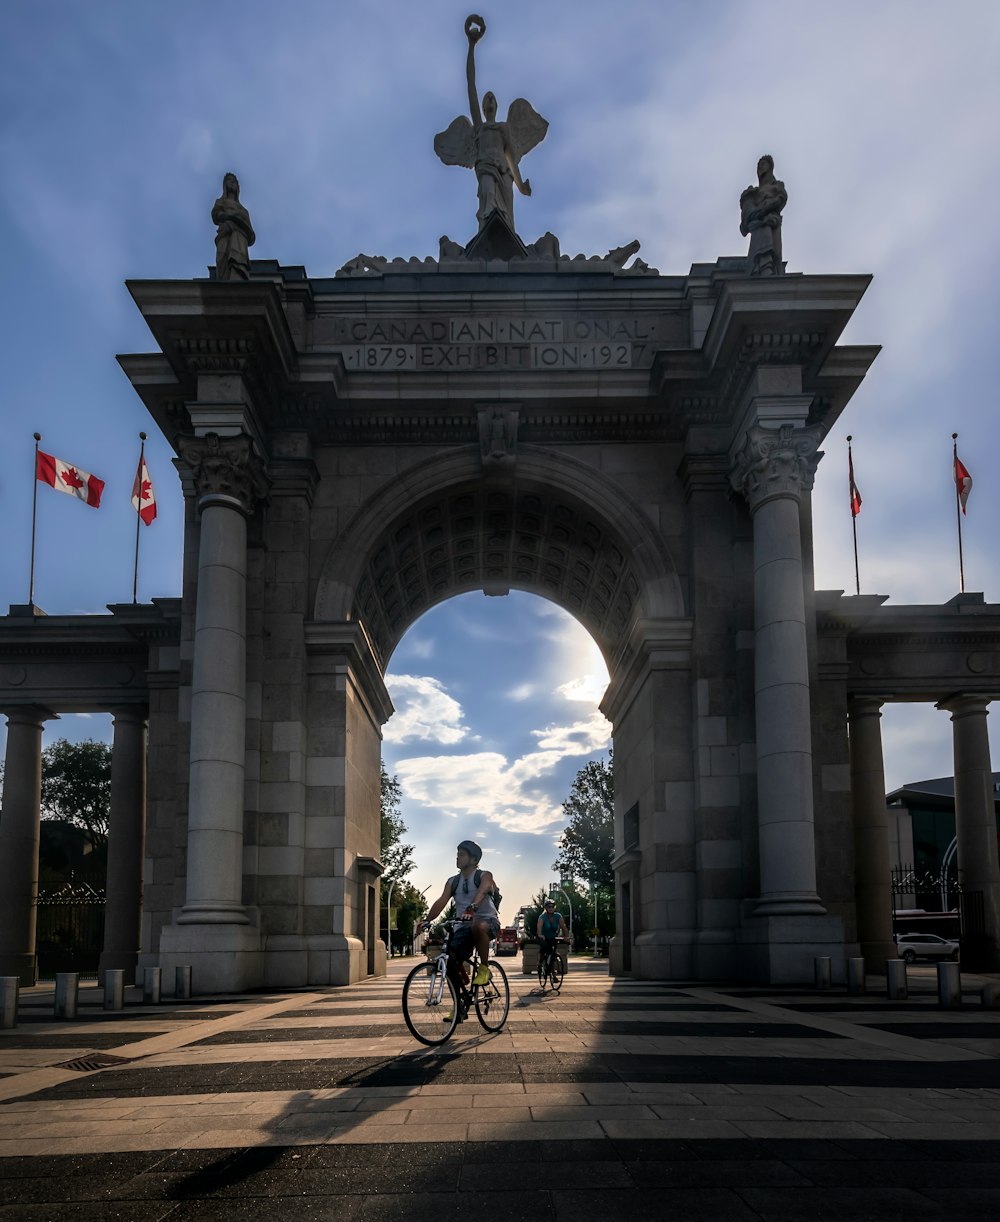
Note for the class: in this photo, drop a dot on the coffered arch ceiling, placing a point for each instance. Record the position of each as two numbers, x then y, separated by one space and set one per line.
556 531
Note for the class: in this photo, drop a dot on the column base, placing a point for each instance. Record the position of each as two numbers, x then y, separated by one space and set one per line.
209 913
789 903
781 949
24 967
223 958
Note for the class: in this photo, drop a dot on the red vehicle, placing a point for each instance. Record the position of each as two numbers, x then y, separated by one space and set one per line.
507 941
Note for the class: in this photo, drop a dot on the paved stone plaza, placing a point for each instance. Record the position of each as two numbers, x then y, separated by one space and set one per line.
617 1099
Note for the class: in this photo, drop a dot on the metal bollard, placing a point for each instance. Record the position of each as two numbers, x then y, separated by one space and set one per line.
949 978
821 965
182 985
151 986
114 989
9 986
67 990
856 976
895 980
990 996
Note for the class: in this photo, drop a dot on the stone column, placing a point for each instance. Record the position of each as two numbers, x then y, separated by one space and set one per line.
870 818
228 478
22 796
773 467
126 839
975 819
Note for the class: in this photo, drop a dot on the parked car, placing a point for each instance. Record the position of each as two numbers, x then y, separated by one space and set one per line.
507 941
914 946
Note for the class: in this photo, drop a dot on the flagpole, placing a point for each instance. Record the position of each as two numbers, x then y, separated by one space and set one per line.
138 518
958 510
34 508
854 516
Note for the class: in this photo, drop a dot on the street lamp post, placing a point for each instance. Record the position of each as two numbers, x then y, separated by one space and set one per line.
593 887
569 904
388 916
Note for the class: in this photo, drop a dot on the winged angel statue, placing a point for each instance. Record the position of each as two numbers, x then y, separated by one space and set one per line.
490 148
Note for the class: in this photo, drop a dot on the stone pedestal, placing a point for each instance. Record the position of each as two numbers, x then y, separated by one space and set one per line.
19 842
126 835
870 819
781 949
223 958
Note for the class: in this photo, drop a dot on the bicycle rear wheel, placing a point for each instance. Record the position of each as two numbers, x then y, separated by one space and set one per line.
493 999
430 1004
555 973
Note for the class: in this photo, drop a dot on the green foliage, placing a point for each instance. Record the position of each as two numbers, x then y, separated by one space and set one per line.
397 857
410 907
587 846
76 787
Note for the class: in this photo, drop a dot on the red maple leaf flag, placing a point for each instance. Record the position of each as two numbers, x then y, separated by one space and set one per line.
963 482
856 501
64 477
143 498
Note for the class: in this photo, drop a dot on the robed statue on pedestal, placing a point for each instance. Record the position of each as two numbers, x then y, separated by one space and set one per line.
492 149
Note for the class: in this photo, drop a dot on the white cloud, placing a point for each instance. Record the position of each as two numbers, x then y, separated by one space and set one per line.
523 691
588 689
580 738
481 786
424 712
484 784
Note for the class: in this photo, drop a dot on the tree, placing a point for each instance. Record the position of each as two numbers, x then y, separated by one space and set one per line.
410 908
397 857
76 787
588 841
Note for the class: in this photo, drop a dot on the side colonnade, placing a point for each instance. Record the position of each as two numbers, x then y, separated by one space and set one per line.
19 841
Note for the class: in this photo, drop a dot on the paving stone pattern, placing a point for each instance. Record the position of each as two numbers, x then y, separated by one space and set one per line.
615 1100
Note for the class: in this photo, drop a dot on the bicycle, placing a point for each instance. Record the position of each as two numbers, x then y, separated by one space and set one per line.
550 968
434 1004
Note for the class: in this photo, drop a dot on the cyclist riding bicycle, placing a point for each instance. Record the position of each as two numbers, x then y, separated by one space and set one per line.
551 927
475 910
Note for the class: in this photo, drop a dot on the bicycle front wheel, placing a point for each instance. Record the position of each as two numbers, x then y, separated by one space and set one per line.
430 1004
542 960
555 973
493 999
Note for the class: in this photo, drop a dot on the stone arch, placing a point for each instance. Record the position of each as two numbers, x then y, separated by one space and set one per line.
557 528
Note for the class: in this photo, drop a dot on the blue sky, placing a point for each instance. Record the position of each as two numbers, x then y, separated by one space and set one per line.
118 120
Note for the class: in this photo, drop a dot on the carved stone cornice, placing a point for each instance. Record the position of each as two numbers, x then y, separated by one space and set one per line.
215 354
767 348
778 462
225 467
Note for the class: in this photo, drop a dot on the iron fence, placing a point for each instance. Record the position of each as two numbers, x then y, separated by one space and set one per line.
69 931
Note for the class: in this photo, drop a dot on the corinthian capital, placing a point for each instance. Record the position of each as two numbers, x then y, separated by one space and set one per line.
775 462
225 467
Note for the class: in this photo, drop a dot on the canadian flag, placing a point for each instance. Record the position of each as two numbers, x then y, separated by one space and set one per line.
143 498
64 477
963 482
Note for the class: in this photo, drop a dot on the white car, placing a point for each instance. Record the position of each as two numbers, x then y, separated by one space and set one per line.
914 946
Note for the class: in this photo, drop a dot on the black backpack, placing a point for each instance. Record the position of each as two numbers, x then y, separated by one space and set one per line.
478 878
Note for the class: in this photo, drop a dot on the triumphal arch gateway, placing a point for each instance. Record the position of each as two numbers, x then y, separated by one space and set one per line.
637 447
